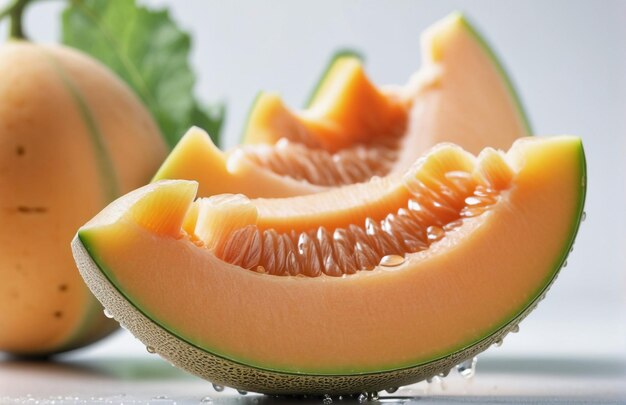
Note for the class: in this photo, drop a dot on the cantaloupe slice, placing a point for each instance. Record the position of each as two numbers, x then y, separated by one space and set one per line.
346 109
353 130
363 287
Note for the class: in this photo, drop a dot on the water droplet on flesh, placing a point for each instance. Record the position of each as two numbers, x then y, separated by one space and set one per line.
498 343
362 397
392 390
391 261
150 349
108 314
434 233
218 388
583 216
373 396
452 225
242 392
469 212
467 369
327 400
565 263
515 329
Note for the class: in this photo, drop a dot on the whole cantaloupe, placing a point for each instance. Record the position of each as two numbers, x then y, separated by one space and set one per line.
72 138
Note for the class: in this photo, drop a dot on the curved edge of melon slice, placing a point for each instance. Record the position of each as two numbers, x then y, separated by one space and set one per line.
323 81
197 158
499 65
191 357
324 119
347 108
461 94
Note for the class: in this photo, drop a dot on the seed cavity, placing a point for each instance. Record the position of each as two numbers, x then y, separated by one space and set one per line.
321 167
431 211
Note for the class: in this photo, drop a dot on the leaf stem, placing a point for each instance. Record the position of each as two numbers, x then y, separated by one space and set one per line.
15 11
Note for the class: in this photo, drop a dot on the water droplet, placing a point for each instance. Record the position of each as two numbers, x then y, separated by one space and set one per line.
218 388
207 400
452 225
565 263
391 260
444 374
242 392
392 390
340 397
373 396
469 212
467 369
498 343
434 233
150 349
433 379
362 397
515 329
583 216
108 314
327 400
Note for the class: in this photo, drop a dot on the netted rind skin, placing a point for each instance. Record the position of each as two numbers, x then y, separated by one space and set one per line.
226 372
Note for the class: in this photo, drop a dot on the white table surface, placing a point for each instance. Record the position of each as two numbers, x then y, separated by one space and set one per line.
120 371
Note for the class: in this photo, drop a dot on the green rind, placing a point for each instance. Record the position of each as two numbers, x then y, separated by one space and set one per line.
497 63
508 321
242 137
339 54
225 372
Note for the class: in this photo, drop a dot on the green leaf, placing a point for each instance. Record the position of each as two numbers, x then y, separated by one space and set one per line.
150 52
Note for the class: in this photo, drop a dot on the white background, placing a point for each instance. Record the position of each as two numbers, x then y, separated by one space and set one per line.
568 59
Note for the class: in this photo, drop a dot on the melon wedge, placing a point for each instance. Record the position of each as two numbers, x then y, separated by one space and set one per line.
489 235
346 109
353 130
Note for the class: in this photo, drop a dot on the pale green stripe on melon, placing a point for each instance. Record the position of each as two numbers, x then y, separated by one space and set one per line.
506 78
103 159
111 191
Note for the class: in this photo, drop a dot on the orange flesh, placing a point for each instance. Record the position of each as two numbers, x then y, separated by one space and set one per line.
354 131
456 292
454 108
349 109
